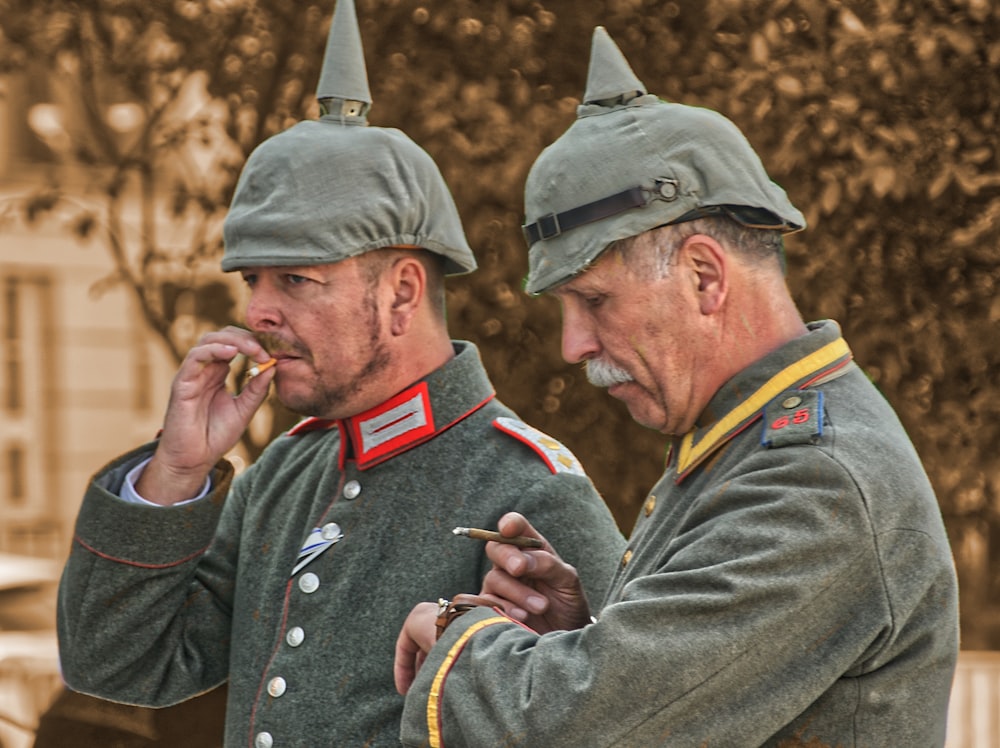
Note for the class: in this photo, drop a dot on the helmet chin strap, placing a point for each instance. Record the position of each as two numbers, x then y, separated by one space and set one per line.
554 224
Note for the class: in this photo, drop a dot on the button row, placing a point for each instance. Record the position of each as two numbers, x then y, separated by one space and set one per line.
308 583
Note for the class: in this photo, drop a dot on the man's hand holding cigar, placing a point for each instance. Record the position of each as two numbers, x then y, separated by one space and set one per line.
534 586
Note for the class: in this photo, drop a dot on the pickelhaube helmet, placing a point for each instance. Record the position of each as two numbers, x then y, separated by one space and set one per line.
632 162
328 189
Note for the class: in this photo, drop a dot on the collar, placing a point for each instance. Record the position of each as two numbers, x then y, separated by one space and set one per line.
814 358
413 416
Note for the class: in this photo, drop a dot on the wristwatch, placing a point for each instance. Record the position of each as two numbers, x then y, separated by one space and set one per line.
448 612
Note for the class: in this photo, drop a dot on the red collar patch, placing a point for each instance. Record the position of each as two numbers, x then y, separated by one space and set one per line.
397 424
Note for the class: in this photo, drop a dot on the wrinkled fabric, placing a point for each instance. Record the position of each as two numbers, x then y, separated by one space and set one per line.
775 592
325 190
159 604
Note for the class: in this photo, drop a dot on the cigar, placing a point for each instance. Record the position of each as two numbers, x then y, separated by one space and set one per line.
260 368
520 541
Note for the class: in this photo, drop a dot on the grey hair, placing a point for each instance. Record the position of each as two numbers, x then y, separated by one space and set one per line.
651 253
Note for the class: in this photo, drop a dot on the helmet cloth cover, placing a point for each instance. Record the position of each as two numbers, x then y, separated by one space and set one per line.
632 162
329 189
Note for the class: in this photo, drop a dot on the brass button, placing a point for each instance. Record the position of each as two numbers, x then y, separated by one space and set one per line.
791 402
650 505
627 557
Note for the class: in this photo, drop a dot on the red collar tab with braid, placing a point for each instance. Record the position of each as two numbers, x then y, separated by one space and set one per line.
401 422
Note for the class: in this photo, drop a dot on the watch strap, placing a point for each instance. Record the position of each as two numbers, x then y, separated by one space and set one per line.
448 612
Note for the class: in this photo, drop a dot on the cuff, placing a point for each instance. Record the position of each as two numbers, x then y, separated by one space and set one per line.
129 494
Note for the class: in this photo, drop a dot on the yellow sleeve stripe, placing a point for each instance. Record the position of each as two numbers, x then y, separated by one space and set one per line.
437 685
691 454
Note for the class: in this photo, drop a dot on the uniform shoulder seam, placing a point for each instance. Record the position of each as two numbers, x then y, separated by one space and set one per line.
556 456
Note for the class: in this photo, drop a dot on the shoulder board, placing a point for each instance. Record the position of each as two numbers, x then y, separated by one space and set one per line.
556 456
793 417
311 424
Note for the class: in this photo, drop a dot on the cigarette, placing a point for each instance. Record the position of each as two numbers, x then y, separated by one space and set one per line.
520 541
260 368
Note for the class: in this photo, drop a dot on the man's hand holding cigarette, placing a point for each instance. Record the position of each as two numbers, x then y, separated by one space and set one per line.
204 419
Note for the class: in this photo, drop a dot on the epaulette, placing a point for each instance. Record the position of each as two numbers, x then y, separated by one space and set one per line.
312 423
793 417
556 456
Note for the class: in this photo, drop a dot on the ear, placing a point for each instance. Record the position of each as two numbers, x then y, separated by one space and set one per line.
408 279
710 265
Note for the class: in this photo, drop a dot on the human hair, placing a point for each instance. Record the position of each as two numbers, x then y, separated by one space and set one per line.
651 253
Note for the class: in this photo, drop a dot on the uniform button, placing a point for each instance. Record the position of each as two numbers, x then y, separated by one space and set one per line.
791 402
351 489
263 740
331 531
276 687
295 636
668 190
650 505
309 583
627 557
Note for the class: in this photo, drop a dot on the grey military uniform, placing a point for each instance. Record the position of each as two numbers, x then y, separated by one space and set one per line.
788 583
158 604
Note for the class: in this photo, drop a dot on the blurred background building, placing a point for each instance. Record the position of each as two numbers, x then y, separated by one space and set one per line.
80 380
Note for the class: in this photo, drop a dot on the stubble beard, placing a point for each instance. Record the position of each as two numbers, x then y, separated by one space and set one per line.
333 401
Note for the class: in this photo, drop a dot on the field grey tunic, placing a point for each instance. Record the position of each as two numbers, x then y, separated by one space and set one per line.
159 604
788 583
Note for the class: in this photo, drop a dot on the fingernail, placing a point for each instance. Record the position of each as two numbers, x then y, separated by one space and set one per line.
536 603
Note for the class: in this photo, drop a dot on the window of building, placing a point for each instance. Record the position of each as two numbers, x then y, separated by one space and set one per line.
12 348
27 407
16 492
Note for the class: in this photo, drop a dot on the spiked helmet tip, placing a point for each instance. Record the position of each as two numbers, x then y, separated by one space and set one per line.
610 78
343 81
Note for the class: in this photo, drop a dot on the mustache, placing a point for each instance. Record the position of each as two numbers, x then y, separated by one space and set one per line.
604 374
277 345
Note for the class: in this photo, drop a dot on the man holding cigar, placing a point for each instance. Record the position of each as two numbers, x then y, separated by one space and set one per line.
788 581
291 580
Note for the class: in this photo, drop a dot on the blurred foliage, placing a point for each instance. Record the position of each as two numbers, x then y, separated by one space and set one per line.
879 117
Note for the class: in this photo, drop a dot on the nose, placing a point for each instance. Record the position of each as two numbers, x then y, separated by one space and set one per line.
263 312
579 339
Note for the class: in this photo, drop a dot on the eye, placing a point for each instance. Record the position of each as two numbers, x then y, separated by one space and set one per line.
593 300
295 280
250 279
